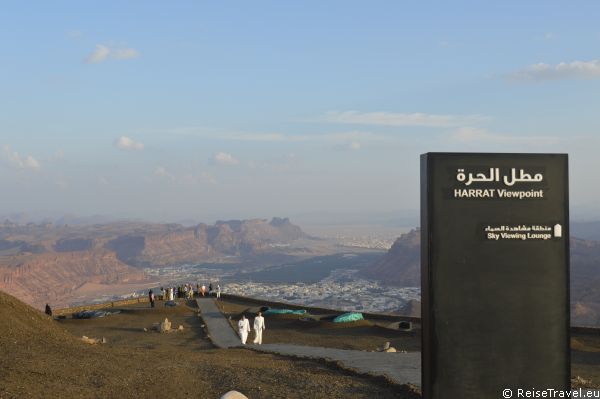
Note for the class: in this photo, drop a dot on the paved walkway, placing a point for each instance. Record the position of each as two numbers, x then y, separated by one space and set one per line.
219 329
403 368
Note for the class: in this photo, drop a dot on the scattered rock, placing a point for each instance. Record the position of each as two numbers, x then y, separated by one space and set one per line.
165 326
384 348
91 341
180 328
390 350
234 395
104 341
577 380
145 329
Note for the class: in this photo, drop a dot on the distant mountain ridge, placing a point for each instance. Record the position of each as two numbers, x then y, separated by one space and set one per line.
40 263
401 266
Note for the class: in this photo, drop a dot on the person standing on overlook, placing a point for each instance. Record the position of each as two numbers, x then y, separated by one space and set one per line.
151 297
243 329
259 327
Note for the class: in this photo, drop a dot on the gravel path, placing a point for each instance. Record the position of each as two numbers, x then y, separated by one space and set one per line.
403 368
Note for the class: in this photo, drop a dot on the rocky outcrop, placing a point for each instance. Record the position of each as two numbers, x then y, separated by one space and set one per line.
179 245
52 277
402 264
42 264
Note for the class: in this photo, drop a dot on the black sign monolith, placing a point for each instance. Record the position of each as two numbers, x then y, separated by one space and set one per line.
495 274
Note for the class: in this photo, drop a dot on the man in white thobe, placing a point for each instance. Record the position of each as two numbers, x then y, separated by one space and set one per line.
243 329
259 327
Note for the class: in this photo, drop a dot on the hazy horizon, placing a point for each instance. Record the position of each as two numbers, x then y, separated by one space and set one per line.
211 111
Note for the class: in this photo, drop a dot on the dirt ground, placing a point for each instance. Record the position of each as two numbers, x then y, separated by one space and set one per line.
43 358
46 361
365 335
585 348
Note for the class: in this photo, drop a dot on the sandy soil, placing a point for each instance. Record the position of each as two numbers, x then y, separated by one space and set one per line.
362 336
47 361
585 348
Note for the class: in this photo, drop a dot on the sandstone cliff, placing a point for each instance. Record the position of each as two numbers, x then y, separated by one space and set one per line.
54 276
402 263
45 263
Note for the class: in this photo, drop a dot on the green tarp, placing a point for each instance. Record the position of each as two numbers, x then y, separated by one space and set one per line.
284 311
347 317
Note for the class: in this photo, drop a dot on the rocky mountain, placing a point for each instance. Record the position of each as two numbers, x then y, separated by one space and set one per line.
51 263
402 263
401 266
237 238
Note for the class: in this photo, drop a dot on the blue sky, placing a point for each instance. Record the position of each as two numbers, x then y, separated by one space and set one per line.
249 109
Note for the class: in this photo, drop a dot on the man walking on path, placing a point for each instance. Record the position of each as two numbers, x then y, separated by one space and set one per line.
218 291
259 326
243 329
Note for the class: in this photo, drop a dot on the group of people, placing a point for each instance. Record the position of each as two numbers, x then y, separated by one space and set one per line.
211 291
259 327
185 291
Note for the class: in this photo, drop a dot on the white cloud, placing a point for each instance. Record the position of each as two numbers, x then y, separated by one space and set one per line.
100 54
474 135
563 70
402 119
125 143
223 158
125 54
104 53
15 160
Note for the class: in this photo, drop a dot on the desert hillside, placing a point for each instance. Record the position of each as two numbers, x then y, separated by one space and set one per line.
50 263
46 361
